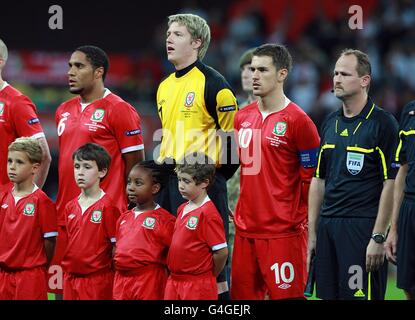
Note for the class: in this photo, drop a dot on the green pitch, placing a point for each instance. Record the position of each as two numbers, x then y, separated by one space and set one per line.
392 292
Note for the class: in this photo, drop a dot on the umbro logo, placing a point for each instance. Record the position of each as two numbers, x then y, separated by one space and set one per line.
122 222
65 115
71 216
284 286
246 124
4 206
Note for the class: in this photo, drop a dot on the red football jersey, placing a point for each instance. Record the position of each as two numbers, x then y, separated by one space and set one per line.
110 122
196 235
18 118
278 153
23 227
90 236
144 239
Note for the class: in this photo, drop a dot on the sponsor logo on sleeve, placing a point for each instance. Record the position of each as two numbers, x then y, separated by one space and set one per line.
29 209
192 222
133 132
227 108
33 121
96 216
149 223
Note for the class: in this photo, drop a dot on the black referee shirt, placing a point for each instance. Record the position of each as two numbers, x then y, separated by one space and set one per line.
356 156
405 152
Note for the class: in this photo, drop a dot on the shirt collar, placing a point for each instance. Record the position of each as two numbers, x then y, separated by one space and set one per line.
182 72
364 114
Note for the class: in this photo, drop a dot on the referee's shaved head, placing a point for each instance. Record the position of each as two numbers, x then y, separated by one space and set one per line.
3 50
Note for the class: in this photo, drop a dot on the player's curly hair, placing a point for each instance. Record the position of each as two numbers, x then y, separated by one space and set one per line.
199 166
29 146
97 57
159 172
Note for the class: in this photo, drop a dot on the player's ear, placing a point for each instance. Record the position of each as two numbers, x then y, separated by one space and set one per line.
196 43
102 173
155 188
99 72
365 80
35 168
282 74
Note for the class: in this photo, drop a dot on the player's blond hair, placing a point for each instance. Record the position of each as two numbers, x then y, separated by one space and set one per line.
4 54
29 146
197 27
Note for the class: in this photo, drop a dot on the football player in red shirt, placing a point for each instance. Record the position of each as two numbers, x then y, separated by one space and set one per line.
99 116
143 238
198 250
90 221
18 118
27 226
278 145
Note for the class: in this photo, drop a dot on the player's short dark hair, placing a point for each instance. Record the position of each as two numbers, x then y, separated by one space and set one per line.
363 67
160 173
97 57
93 152
280 55
199 166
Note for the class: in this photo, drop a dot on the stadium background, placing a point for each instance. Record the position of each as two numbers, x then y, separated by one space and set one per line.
133 34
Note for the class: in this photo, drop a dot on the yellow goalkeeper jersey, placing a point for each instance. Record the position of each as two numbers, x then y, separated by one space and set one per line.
193 104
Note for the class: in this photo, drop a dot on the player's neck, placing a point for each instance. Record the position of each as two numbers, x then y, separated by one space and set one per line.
353 105
23 188
197 202
90 195
273 102
252 98
148 206
180 65
94 94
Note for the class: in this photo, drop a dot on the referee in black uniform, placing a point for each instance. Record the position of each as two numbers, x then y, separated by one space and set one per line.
352 190
400 245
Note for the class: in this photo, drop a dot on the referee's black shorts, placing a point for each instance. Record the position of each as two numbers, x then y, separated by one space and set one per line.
341 260
406 246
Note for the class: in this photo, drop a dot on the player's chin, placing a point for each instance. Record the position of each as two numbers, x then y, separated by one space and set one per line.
132 198
75 90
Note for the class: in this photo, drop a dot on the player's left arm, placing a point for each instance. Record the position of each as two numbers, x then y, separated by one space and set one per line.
27 124
126 126
45 165
48 226
308 143
387 137
49 244
219 260
222 106
132 158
